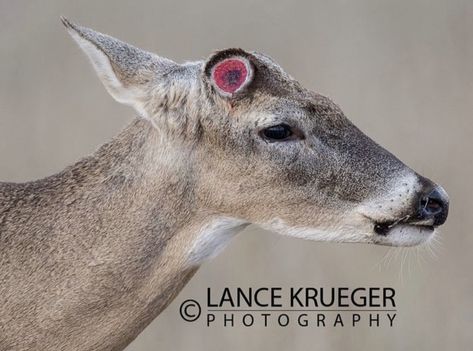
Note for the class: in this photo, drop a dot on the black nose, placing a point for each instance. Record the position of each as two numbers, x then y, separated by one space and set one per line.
433 204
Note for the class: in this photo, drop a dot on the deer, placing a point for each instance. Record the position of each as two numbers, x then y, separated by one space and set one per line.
91 255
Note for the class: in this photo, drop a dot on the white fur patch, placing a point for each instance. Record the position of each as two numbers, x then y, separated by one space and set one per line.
213 238
393 204
338 232
405 235
356 232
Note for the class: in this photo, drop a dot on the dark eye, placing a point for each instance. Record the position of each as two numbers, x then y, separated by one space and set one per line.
280 132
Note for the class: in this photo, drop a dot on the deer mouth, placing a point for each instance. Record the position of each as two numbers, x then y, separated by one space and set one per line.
384 228
403 232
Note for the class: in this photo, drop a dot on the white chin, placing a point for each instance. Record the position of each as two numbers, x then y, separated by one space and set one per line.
405 235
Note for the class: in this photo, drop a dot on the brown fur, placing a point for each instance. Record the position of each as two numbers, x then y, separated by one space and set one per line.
93 254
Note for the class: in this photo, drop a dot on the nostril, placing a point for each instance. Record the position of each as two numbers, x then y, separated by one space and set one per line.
434 205
431 206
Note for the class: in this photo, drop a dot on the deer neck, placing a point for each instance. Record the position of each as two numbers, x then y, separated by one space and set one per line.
125 233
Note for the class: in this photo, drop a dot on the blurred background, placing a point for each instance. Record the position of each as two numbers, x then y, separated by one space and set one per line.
401 70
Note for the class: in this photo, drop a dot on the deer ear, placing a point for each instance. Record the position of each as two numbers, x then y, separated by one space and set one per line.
128 73
230 72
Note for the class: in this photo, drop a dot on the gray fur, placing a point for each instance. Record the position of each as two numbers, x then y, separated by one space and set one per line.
93 254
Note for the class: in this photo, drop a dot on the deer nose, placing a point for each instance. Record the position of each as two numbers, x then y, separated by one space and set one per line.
433 205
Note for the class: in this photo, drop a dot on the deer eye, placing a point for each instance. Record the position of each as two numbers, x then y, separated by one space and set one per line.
280 132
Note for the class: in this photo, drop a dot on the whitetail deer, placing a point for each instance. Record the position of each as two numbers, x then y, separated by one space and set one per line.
91 255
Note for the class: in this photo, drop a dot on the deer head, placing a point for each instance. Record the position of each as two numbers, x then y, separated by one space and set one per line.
263 149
